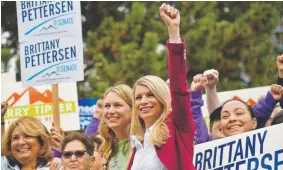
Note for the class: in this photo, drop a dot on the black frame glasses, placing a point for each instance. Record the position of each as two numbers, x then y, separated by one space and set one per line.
77 153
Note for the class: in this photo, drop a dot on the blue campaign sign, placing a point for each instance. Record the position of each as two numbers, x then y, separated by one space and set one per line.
51 61
86 111
260 149
42 19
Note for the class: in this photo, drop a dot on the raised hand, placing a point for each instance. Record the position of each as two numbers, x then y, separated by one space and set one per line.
279 63
98 109
169 15
55 164
57 138
4 107
171 18
276 91
98 161
199 82
212 77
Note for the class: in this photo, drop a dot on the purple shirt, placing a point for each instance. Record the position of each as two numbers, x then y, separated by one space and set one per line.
92 127
262 111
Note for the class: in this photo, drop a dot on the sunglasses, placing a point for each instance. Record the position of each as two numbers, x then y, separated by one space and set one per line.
78 153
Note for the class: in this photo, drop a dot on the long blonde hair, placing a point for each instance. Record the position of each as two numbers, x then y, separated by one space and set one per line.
33 127
160 131
110 143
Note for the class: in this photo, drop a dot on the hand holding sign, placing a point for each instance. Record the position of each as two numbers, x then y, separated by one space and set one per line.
57 138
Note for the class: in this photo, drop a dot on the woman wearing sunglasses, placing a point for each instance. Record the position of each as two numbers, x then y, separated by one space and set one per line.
77 150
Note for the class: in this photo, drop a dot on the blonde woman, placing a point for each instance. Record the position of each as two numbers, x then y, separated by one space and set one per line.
115 125
162 137
26 146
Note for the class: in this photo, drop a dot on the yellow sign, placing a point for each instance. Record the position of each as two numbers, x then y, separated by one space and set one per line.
39 110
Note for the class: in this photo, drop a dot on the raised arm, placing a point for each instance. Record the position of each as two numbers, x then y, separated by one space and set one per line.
181 107
265 106
201 133
211 91
279 63
56 140
92 127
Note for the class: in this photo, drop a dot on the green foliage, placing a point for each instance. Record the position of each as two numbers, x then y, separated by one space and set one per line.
126 40
125 50
6 55
232 37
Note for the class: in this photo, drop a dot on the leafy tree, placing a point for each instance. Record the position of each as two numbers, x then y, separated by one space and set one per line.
124 50
126 40
5 57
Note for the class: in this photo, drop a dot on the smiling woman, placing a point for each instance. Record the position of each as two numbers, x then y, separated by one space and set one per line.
26 145
115 125
162 127
237 117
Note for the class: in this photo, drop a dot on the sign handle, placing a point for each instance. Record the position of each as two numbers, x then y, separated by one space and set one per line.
55 104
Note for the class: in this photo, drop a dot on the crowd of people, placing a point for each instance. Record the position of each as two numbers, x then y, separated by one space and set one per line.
138 128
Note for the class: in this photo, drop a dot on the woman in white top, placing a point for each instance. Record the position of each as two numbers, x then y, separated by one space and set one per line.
162 127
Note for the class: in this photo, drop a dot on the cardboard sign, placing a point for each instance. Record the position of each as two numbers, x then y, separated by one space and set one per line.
37 101
43 19
255 150
51 61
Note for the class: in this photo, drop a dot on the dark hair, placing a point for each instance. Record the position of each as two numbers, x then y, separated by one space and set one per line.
96 139
248 106
85 140
278 118
216 114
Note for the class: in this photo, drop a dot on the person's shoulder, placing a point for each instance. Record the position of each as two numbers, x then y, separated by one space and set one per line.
4 161
5 164
43 168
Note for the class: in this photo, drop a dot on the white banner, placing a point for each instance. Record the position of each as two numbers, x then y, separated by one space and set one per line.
43 19
37 101
256 150
51 61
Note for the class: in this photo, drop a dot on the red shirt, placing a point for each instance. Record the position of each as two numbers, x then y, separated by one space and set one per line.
177 153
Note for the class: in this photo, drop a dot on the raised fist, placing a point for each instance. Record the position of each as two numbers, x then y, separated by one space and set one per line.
212 77
276 91
199 82
169 15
